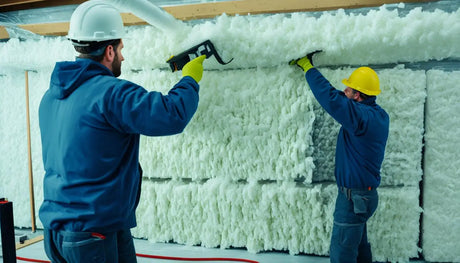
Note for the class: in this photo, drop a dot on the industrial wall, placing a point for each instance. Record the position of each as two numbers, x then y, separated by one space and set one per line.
254 168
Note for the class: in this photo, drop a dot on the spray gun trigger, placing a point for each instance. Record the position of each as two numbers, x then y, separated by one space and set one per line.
177 62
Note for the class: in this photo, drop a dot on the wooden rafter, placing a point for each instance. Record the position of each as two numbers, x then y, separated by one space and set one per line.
14 5
244 7
17 2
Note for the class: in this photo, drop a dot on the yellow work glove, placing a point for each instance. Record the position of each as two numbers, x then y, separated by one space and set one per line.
194 68
304 63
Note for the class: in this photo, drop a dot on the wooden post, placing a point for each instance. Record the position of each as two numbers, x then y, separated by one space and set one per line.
3 33
29 149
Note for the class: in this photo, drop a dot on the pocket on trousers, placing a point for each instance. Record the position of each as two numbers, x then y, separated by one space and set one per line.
89 250
360 204
350 236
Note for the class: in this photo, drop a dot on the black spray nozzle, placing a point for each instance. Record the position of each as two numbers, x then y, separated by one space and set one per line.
309 56
205 48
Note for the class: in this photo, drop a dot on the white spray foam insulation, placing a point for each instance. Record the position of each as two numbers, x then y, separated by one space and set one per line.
403 97
394 229
34 54
279 216
14 165
250 125
379 36
441 195
268 41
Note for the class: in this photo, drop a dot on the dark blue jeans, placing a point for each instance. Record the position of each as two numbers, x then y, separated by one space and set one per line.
349 242
87 247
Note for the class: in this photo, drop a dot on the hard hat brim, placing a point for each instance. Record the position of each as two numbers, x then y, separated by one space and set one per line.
360 89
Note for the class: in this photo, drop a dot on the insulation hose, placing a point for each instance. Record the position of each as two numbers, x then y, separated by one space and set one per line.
160 257
151 13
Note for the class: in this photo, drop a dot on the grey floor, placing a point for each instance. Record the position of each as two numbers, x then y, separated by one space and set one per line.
36 251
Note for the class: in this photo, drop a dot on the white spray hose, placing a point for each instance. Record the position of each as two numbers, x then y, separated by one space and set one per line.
150 13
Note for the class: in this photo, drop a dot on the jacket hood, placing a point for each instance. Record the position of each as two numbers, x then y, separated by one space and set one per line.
67 76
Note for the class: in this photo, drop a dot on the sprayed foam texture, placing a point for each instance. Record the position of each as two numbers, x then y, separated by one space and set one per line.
441 195
273 216
228 180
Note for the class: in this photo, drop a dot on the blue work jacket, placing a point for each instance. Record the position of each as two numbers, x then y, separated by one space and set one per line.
362 138
90 124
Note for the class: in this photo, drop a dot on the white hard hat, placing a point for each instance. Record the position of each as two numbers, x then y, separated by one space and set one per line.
95 21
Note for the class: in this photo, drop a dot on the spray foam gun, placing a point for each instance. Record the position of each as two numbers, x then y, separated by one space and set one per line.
177 62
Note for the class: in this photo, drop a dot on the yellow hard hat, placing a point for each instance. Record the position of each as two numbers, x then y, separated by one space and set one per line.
365 80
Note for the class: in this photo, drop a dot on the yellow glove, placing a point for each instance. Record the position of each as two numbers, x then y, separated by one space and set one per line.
194 68
304 63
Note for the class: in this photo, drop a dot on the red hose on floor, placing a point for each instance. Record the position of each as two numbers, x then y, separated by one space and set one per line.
32 260
160 257
196 259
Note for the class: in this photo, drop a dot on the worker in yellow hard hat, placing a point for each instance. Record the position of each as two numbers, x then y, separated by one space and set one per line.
90 124
359 155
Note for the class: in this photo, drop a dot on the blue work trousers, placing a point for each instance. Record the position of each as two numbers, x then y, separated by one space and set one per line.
87 247
349 242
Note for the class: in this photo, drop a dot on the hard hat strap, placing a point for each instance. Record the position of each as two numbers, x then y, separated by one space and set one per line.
93 48
79 44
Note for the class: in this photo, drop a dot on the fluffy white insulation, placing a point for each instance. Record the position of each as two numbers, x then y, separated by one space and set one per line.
254 168
251 125
14 164
441 195
280 216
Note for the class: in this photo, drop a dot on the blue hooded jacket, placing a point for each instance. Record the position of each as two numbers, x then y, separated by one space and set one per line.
90 123
362 138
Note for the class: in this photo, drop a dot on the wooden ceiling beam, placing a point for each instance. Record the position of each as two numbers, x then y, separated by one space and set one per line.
244 7
14 5
17 2
49 29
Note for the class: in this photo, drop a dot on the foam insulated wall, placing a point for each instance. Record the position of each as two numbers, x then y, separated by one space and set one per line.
252 124
14 164
441 216
232 173
254 168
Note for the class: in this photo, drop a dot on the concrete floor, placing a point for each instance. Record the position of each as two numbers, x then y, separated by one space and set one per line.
36 251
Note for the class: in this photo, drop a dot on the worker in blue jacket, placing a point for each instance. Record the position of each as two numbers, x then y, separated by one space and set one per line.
359 155
90 123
